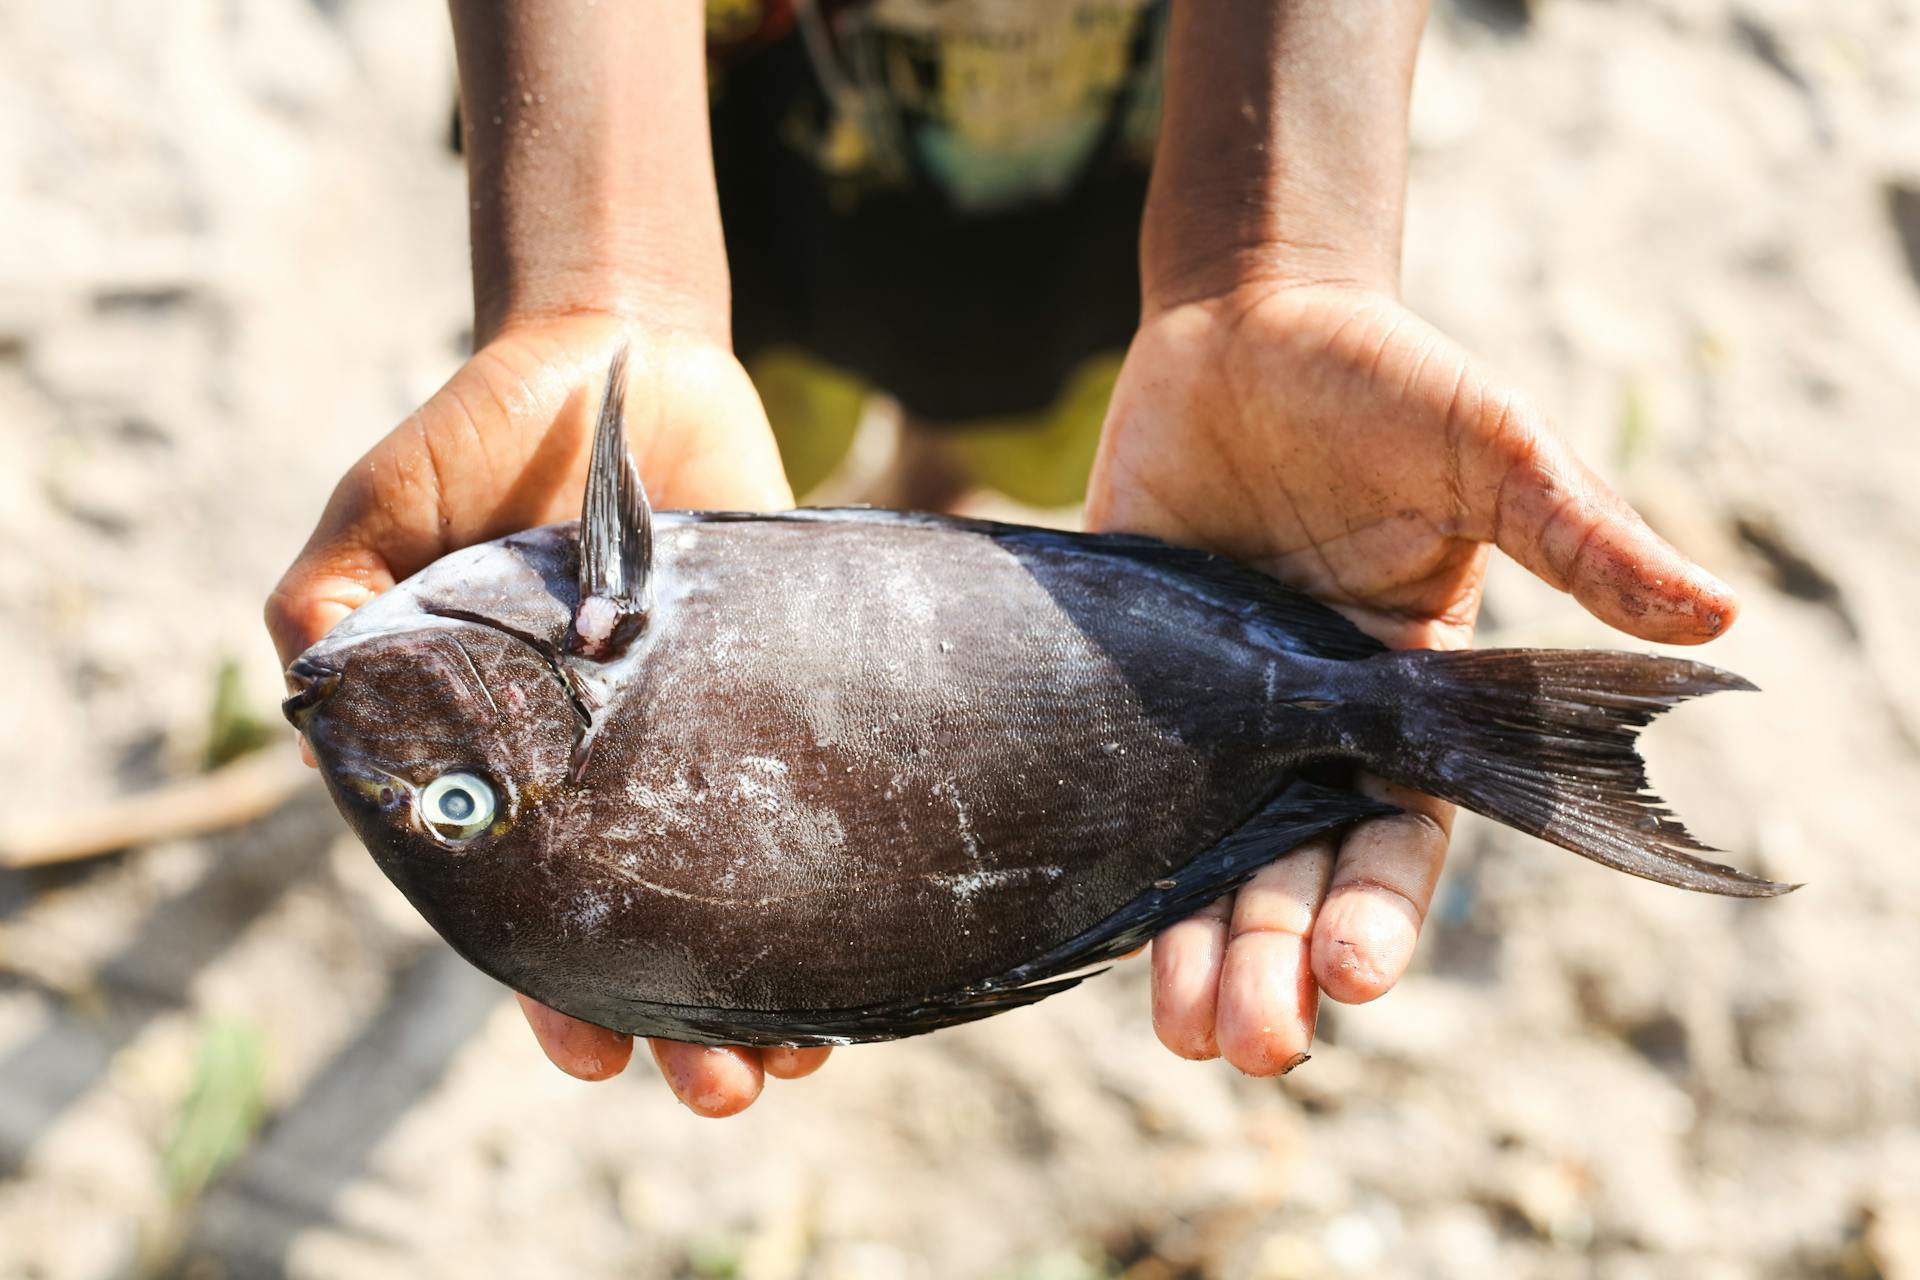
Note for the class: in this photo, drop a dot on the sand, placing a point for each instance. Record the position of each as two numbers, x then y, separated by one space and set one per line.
232 255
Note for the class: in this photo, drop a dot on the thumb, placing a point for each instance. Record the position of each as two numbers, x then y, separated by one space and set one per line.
385 519
1543 506
323 586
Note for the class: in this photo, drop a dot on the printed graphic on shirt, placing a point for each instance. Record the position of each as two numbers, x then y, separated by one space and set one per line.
995 102
735 27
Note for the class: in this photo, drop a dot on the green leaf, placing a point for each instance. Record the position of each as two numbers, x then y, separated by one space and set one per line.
715 1256
1067 1263
233 729
1636 425
222 1109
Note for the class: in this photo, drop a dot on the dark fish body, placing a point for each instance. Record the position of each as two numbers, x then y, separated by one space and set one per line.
847 775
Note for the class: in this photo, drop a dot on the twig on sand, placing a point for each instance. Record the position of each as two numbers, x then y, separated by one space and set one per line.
251 787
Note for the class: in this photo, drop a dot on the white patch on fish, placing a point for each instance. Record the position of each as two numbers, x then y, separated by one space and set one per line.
756 792
951 790
595 621
590 909
965 884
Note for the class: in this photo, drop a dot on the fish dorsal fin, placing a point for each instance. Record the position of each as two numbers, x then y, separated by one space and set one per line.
1304 623
616 531
1301 622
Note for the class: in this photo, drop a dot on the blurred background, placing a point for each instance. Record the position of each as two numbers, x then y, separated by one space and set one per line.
232 254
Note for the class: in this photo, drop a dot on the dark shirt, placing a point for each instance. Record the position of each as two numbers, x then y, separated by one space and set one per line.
942 196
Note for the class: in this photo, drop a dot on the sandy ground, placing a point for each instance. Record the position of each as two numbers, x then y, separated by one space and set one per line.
232 253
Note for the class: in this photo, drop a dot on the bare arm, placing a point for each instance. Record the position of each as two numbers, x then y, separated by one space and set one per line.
589 166
1283 145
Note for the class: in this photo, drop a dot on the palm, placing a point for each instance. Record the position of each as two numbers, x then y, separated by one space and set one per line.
1309 433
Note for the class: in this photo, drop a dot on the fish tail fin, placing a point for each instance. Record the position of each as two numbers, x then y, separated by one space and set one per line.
1543 741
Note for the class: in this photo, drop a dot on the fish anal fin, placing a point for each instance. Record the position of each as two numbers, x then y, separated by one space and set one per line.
1297 813
892 1021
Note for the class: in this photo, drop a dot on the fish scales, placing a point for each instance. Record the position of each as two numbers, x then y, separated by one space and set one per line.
975 770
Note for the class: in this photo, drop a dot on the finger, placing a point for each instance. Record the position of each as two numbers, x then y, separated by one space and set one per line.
393 512
1541 505
791 1064
1186 980
710 1080
323 586
578 1048
1382 884
1268 1000
383 507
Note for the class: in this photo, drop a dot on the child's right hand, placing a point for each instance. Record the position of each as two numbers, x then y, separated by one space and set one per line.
503 447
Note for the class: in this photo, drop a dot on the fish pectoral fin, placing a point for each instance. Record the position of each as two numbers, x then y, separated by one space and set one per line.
1297 813
616 531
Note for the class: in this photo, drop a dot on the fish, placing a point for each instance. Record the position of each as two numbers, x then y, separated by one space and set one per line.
825 776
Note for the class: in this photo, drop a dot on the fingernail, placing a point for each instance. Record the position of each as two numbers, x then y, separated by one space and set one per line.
1295 1061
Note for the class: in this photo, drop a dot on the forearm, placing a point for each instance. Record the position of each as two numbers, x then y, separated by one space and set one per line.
1283 145
589 168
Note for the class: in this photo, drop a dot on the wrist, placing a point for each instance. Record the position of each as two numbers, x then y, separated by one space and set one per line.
577 341
588 288
1199 254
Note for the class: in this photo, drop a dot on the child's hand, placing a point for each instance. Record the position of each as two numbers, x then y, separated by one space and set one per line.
1326 435
503 447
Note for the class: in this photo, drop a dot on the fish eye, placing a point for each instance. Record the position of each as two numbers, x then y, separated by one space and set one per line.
459 805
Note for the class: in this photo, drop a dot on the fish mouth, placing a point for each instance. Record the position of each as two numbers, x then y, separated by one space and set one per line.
309 683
